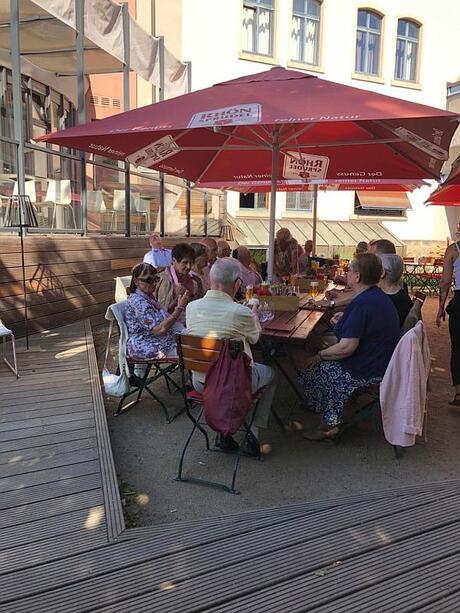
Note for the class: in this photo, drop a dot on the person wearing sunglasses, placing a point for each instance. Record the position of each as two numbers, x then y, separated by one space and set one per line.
151 330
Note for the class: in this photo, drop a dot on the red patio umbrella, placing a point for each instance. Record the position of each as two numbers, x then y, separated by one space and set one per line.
278 123
448 193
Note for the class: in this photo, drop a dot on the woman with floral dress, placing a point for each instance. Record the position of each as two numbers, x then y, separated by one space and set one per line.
367 333
151 330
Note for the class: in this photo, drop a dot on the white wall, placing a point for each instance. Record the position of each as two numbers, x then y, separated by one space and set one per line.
211 39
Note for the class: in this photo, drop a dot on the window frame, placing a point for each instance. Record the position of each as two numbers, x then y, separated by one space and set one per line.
406 39
318 47
367 30
257 206
298 197
257 55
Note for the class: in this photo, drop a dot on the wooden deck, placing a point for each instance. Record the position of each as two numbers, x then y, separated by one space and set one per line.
63 546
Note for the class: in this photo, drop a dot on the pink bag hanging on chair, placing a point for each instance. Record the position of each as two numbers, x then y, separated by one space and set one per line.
227 394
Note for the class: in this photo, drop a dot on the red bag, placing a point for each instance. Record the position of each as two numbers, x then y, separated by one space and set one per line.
227 394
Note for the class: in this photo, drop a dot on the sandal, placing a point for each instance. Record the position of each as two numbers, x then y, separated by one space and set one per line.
321 435
456 401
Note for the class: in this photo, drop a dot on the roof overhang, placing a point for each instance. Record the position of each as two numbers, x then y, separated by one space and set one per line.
48 40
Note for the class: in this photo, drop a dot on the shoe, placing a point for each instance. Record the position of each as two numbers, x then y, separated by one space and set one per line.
252 446
456 401
226 443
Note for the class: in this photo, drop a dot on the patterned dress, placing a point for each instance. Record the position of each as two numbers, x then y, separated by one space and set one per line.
143 312
328 387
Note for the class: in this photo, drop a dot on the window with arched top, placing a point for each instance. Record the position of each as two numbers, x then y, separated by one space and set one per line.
407 49
305 33
368 42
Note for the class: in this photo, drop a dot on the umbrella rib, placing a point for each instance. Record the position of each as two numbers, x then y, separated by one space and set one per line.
408 157
214 157
346 143
238 137
225 148
298 133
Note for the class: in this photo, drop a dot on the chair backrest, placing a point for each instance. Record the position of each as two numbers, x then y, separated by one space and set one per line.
59 191
121 286
95 201
119 200
415 314
116 312
29 189
197 353
141 205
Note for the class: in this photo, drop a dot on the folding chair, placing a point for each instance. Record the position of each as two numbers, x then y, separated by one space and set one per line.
197 353
155 369
4 334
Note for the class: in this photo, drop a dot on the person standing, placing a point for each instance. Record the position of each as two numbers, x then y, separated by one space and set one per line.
451 272
286 255
158 256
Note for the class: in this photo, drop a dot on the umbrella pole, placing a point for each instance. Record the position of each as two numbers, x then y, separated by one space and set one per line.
315 217
271 228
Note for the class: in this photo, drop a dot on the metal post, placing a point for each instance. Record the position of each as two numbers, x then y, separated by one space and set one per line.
205 219
271 230
80 42
188 207
161 96
17 95
315 217
126 62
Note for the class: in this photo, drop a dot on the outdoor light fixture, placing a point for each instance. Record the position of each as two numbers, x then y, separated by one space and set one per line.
20 214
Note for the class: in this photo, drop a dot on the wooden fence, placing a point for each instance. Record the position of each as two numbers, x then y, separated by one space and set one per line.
68 278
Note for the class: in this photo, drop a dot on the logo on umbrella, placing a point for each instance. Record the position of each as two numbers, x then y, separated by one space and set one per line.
155 152
305 166
227 116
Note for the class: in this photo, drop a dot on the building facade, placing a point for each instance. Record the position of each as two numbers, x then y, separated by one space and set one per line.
389 47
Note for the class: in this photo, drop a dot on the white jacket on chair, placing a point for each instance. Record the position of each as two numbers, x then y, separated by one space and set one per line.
403 391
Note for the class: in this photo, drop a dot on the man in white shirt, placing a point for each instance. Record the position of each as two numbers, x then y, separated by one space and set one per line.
158 256
218 315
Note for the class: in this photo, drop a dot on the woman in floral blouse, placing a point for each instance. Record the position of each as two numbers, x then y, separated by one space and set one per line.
151 330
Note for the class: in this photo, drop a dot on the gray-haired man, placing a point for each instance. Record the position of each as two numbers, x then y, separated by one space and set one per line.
218 315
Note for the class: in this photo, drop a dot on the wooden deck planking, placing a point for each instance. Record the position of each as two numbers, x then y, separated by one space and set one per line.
63 547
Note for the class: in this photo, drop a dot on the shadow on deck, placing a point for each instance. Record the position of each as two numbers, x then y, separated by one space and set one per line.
63 545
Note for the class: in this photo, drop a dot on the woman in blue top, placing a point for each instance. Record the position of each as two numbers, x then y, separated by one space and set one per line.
368 332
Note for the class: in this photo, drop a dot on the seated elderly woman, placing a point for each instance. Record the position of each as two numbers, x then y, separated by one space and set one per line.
151 330
391 284
200 270
367 333
176 279
249 275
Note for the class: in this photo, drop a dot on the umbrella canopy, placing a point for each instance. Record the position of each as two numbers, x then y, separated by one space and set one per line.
448 194
279 123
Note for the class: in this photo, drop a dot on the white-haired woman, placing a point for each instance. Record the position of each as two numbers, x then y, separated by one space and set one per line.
391 284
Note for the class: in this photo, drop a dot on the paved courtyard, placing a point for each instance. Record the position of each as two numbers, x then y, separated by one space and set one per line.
146 451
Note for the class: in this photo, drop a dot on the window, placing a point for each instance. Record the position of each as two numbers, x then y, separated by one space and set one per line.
258 26
368 43
253 201
299 201
306 16
407 43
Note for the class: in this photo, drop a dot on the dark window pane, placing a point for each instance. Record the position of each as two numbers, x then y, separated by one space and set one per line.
402 27
362 18
374 21
413 30
247 201
314 8
298 6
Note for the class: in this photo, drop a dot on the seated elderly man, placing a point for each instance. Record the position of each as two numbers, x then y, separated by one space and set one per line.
218 315
391 284
158 256
249 275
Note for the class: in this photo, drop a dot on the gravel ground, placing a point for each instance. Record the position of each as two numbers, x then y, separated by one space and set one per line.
146 452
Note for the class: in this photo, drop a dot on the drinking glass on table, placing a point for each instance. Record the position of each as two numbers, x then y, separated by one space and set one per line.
249 292
314 289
